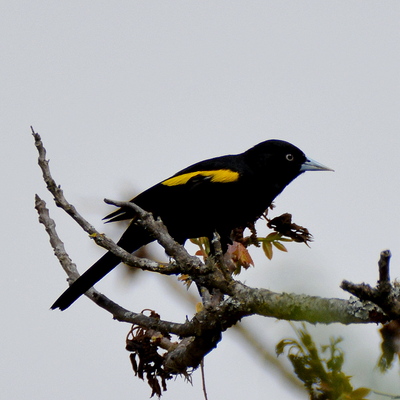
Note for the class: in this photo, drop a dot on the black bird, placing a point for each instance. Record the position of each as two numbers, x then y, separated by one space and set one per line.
215 195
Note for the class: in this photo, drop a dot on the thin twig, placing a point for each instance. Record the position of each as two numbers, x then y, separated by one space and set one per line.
55 241
159 231
100 239
203 379
384 271
116 310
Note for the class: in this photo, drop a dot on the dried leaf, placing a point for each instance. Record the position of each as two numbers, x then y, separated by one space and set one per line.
145 359
390 344
284 225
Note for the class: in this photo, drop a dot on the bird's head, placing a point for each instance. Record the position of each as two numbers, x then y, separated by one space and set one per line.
282 159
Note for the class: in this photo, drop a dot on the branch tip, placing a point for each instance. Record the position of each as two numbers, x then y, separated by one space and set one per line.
384 270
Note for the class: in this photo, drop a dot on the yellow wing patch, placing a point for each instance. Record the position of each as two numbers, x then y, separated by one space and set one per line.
219 175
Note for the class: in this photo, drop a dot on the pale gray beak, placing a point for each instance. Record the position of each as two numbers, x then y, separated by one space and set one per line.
311 165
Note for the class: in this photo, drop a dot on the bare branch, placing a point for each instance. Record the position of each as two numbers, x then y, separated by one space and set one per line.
159 230
116 310
55 241
384 271
384 295
100 239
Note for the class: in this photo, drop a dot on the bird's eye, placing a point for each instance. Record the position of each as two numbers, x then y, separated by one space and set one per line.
289 157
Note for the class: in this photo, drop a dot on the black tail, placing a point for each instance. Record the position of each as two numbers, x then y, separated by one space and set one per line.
133 238
97 271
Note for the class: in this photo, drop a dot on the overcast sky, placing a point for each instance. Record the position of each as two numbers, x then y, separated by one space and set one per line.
125 94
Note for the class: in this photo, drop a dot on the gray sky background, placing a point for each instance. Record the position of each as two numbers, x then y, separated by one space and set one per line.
125 94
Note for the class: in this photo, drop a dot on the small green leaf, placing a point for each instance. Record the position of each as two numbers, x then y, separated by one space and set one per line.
280 348
360 394
279 246
267 247
273 236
